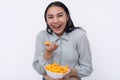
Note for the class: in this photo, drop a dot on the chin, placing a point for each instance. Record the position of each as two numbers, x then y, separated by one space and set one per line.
58 33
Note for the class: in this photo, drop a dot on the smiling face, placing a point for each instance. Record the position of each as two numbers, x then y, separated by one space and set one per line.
57 20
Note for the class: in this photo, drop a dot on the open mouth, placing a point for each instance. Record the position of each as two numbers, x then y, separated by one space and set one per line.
57 27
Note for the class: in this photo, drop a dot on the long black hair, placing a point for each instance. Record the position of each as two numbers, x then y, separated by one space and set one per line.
69 26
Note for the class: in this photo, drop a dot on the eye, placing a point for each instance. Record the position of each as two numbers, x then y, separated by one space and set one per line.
50 17
60 15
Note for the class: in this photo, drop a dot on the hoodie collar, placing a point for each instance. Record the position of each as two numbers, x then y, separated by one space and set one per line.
54 37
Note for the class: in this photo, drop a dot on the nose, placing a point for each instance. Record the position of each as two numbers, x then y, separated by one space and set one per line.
55 20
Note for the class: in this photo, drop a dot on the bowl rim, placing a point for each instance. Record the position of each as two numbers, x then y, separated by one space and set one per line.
56 72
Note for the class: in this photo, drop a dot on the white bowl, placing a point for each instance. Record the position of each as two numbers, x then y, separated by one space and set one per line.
56 75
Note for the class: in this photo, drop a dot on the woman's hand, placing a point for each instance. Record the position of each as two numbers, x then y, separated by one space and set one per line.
72 75
48 77
67 76
51 47
49 50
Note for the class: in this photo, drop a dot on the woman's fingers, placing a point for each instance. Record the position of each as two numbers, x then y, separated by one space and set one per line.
55 46
52 47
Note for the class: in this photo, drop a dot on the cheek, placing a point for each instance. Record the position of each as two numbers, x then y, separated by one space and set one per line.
49 22
65 22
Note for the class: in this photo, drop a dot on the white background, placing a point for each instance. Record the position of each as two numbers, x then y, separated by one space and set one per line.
21 20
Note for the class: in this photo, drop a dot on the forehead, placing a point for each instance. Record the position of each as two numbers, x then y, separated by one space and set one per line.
55 10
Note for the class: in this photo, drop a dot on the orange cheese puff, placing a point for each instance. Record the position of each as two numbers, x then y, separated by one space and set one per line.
56 68
47 43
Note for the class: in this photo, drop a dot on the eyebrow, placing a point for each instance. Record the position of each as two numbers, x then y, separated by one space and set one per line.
57 14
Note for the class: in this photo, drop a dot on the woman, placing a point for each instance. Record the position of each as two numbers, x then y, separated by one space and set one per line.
69 44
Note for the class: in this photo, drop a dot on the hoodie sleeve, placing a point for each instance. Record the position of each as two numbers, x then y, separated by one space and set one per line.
84 67
39 61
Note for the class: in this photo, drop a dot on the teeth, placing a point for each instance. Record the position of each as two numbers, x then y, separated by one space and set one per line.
56 26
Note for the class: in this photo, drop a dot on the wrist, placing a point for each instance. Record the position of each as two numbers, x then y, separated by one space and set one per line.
48 54
73 72
48 51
